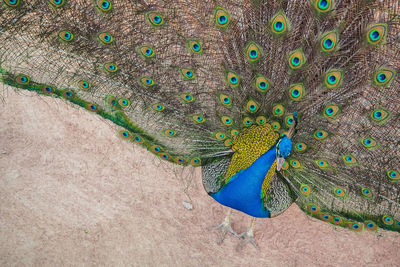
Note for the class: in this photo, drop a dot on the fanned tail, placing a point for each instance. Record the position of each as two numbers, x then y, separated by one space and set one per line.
184 79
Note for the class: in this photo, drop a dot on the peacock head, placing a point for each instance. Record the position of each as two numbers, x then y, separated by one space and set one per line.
282 151
284 145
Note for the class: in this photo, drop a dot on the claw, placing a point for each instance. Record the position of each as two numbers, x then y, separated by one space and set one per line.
225 227
247 237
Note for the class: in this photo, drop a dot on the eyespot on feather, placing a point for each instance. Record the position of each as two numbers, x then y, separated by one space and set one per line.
221 17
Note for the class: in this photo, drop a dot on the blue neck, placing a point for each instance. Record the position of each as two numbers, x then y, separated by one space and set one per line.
243 191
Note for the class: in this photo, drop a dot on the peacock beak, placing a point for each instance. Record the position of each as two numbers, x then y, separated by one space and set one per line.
279 163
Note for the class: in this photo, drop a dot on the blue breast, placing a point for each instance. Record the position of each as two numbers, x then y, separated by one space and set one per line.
243 190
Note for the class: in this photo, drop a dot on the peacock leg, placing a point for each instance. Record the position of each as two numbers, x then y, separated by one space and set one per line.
248 236
225 227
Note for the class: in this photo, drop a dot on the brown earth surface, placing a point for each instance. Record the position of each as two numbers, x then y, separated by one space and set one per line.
74 194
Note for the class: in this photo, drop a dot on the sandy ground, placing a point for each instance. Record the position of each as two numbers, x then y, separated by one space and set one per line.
73 194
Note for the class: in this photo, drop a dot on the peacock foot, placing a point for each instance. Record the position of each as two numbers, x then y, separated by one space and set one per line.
247 237
224 228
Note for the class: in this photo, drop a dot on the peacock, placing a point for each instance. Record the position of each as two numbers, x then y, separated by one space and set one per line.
278 101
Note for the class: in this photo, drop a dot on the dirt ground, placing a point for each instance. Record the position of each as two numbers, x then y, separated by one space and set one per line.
72 193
